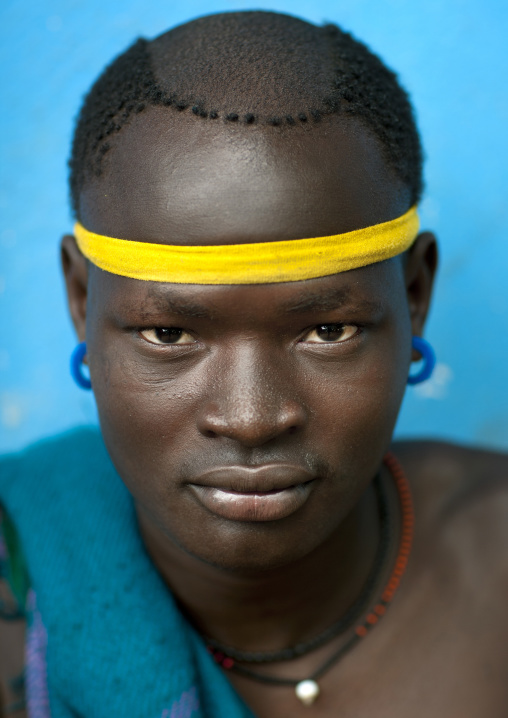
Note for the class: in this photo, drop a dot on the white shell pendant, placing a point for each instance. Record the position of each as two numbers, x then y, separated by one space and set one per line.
307 691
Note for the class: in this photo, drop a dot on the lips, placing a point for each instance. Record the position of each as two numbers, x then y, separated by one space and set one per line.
260 493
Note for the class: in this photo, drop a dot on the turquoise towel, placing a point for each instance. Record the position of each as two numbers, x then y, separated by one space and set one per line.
117 645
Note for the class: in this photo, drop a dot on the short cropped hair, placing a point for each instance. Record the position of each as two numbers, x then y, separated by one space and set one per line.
250 68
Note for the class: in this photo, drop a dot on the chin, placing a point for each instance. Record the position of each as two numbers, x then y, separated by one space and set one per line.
253 547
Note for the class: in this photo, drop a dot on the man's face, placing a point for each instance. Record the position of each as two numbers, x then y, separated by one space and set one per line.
203 391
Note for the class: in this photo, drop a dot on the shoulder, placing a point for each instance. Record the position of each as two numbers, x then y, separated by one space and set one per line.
461 498
66 454
37 485
46 451
450 478
31 481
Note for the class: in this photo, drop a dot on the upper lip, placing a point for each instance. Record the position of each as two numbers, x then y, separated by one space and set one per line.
254 479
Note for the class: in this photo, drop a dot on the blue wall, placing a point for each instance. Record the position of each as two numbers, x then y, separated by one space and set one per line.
450 55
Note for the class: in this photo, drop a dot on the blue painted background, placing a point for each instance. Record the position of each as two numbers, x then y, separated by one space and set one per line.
450 55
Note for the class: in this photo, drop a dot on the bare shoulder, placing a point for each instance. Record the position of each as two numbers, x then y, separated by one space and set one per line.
450 474
461 495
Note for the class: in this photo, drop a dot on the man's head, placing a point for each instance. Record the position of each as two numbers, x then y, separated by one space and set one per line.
190 379
249 68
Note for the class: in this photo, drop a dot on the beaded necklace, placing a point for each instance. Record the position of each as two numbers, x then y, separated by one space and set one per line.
307 689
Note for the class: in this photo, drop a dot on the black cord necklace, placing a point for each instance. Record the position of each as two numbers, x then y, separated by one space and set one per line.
307 690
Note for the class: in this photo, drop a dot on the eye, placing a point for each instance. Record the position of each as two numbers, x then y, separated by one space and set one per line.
167 335
331 333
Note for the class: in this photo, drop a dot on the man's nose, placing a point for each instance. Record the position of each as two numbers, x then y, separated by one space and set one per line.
252 399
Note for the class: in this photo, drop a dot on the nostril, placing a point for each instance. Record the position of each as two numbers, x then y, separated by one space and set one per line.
292 430
210 434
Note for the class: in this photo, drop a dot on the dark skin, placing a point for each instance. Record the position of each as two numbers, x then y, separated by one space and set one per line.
307 373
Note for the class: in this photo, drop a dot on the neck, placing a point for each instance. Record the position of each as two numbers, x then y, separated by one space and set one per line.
273 609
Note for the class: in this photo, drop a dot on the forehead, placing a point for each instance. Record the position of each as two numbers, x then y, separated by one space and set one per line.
368 294
183 180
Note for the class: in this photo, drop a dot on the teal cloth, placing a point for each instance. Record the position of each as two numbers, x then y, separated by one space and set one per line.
117 644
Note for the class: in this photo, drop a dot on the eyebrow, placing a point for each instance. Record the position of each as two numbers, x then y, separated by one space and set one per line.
334 299
177 305
323 302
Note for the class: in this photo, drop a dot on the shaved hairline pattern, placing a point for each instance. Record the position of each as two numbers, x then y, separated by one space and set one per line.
248 68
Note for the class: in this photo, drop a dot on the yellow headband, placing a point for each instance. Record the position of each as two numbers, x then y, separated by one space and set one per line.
260 263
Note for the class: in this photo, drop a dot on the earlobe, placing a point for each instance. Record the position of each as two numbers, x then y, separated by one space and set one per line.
420 271
75 271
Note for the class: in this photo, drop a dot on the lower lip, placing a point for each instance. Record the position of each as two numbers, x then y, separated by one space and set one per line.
269 506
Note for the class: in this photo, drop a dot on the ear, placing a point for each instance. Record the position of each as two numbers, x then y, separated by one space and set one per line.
420 271
75 271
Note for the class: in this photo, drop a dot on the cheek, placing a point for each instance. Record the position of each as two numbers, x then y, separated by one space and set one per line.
356 408
146 412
